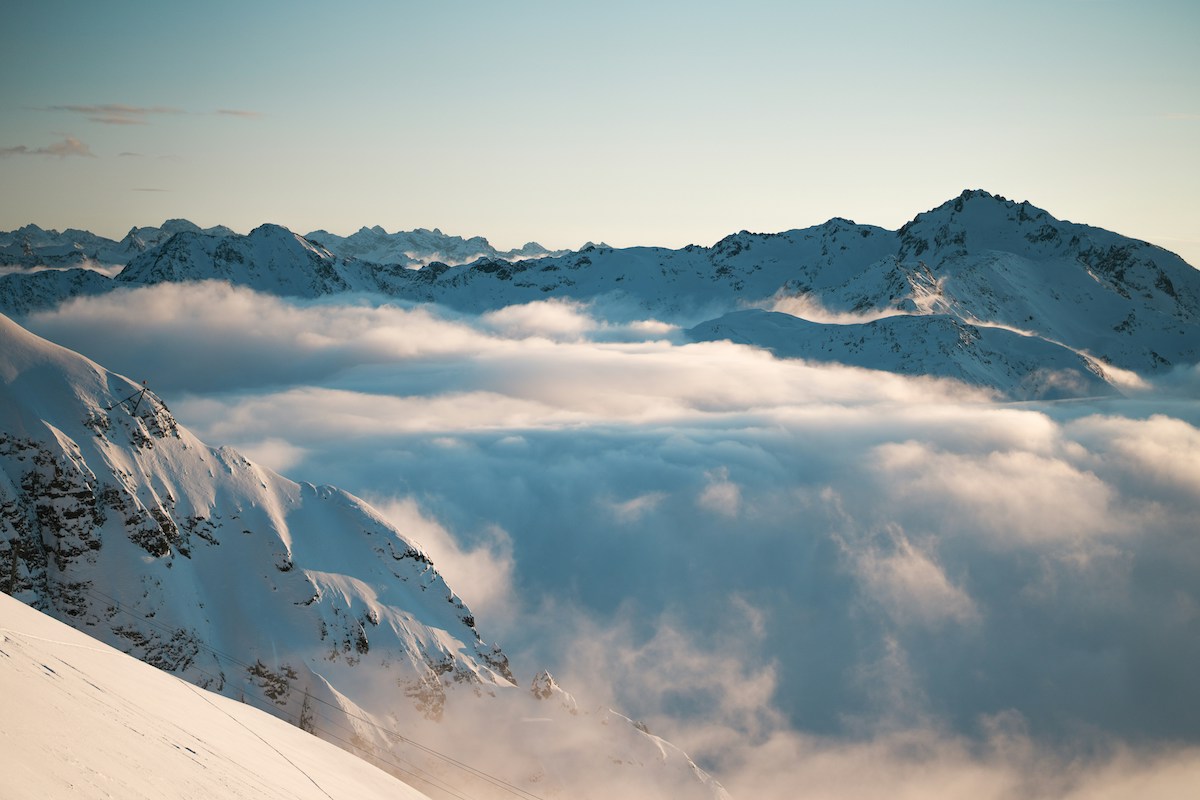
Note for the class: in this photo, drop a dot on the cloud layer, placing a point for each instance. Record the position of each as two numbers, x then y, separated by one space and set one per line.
806 575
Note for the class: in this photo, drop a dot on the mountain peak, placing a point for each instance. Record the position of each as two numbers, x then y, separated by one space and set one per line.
976 209
970 194
271 229
179 226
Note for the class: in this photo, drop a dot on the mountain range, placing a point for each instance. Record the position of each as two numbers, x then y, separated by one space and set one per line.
419 247
981 289
32 247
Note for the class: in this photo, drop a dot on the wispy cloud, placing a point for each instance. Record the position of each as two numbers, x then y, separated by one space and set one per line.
118 113
125 114
69 146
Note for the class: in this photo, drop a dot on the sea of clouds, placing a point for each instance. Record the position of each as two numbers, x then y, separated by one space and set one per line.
815 579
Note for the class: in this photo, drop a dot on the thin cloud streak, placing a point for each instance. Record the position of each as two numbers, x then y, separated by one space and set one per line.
117 113
69 146
125 114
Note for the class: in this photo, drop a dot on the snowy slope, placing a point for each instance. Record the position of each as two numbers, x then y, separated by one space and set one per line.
139 240
1017 366
82 719
99 496
1128 302
117 520
23 292
31 246
690 283
270 259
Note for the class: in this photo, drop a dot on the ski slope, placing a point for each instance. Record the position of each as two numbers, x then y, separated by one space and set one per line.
82 720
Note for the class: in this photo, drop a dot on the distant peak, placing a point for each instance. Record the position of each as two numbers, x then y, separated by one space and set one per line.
271 229
969 194
975 196
34 230
179 226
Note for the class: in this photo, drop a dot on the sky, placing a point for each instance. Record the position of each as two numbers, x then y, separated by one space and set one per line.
872 585
662 123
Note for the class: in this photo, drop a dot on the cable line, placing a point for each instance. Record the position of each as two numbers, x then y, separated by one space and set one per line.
495 781
139 394
199 694
270 706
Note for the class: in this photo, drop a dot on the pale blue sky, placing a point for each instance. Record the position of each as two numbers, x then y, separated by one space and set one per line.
633 122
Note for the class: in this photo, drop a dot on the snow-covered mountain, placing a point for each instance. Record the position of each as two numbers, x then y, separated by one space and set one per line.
270 258
31 247
142 239
1068 296
1127 302
419 247
84 720
23 292
117 520
939 345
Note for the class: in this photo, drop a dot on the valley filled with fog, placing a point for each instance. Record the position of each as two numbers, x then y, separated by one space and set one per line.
803 574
